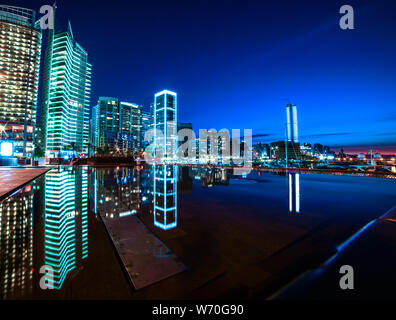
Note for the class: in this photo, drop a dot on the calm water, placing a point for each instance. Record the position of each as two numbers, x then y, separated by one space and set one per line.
221 226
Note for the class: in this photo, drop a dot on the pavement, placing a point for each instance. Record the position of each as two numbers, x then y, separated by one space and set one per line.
14 178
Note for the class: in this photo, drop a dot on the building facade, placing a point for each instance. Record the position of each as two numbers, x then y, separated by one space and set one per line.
20 50
66 95
119 125
165 125
291 124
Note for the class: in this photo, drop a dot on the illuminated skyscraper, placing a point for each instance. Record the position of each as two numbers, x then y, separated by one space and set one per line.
119 125
165 196
66 222
292 125
94 127
130 126
66 95
165 125
20 49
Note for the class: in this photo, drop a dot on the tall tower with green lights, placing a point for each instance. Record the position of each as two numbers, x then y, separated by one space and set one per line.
66 95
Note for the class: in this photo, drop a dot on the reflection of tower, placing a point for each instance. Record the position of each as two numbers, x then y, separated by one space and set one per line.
292 128
165 196
119 192
294 192
165 124
66 222
16 244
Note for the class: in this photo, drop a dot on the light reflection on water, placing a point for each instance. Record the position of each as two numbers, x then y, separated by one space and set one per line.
57 206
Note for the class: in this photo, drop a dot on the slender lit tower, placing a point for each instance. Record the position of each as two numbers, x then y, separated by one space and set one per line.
20 50
292 126
66 95
165 124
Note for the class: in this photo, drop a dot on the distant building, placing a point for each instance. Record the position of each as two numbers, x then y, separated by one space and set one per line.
66 95
119 125
20 49
318 149
261 151
181 126
306 149
146 125
94 127
279 151
291 124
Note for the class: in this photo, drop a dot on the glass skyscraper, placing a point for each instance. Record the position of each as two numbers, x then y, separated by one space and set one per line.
119 125
20 49
165 125
66 95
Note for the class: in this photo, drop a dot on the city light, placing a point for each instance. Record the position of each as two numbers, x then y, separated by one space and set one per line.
6 149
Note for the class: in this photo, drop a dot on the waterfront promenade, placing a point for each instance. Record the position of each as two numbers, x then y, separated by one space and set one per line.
13 178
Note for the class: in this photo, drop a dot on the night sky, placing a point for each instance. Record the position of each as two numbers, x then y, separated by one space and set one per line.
235 64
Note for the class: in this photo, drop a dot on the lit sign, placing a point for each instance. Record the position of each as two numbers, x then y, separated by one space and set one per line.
6 149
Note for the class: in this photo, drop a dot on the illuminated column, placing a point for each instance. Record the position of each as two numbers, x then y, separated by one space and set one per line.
292 125
165 125
165 196
294 192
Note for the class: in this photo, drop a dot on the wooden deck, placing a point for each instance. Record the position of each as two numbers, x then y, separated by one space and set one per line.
13 178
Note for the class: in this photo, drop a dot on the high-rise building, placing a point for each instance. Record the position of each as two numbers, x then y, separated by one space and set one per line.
119 125
165 125
108 122
94 128
20 50
292 126
130 126
66 95
146 125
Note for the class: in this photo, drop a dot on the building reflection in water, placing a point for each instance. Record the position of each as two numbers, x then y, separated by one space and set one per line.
16 243
66 222
165 196
118 192
294 192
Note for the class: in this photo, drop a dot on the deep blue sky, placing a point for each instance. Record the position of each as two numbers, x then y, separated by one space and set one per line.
235 63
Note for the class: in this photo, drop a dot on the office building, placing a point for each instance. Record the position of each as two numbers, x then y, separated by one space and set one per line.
66 95
119 125
20 50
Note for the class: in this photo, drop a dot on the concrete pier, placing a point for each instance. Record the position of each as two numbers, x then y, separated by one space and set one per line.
145 258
